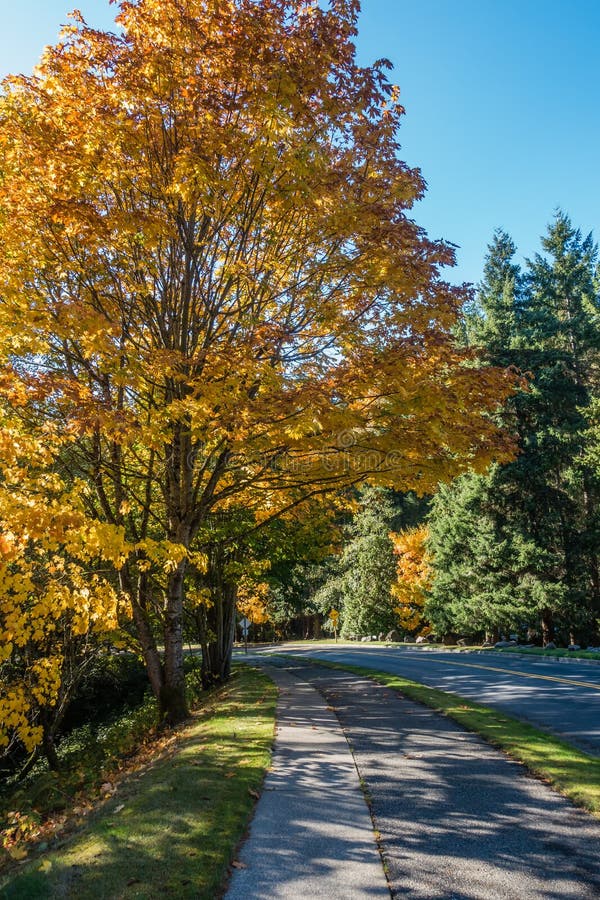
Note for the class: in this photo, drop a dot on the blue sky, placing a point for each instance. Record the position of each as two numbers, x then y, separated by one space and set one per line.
501 102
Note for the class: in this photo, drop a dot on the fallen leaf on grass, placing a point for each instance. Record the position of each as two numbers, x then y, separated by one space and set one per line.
119 807
229 774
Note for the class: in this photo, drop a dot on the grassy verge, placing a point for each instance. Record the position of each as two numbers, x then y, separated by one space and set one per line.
31 809
172 827
401 645
572 772
558 653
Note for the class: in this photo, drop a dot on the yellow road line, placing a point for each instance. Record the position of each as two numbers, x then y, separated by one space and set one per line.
448 662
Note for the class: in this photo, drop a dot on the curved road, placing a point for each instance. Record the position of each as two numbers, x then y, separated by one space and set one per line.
455 818
562 698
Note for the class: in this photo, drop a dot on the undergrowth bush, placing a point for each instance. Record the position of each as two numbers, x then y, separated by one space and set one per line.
91 750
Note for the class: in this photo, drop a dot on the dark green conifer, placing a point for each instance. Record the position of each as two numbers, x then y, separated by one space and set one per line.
524 538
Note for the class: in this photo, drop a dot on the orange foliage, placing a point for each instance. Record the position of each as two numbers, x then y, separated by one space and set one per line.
213 289
414 577
56 602
253 600
205 228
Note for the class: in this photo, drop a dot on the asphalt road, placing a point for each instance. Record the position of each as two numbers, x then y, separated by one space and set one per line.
457 819
563 698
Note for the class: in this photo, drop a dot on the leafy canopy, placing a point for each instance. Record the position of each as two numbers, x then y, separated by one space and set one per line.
212 294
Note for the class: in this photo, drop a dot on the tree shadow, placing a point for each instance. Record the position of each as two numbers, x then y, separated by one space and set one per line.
153 838
458 818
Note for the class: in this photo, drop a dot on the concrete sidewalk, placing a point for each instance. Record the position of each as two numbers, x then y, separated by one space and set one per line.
312 834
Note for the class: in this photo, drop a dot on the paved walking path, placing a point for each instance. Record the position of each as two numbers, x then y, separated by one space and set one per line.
312 834
458 820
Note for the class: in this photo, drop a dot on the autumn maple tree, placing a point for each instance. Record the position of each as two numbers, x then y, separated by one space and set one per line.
414 576
213 294
59 606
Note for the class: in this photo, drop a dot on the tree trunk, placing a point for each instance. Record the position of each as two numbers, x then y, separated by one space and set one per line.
547 626
26 769
166 679
48 745
150 653
590 518
572 636
144 633
217 624
172 700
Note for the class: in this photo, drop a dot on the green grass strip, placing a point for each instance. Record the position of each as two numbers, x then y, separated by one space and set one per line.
572 772
173 830
559 653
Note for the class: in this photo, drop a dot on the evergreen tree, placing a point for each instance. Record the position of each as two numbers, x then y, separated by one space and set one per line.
490 575
360 580
521 543
494 323
560 340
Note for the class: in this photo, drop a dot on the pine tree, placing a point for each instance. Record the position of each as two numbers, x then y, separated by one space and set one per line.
360 581
560 341
482 568
498 299
520 544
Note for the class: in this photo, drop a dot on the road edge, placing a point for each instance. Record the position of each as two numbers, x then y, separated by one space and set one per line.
568 770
